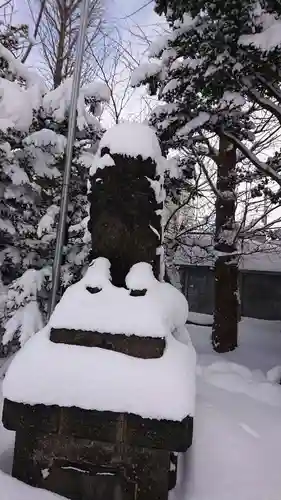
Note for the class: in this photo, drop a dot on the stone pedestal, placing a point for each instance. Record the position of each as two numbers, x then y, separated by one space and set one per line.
106 455
97 455
138 347
92 455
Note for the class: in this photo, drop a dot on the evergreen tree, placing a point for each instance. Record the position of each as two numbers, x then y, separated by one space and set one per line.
19 94
33 129
219 64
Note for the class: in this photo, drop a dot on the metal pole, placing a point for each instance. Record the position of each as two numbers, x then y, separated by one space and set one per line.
68 153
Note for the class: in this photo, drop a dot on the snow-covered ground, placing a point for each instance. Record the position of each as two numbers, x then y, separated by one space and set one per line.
236 450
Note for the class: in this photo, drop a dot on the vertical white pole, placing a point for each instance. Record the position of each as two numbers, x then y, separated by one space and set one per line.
68 153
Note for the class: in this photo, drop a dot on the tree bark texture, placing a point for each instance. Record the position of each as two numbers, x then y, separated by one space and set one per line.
226 311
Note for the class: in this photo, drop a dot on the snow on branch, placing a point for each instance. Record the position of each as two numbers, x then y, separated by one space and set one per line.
96 90
270 86
47 222
46 137
26 321
266 103
17 105
262 167
158 45
17 175
195 123
57 102
81 227
25 317
20 70
231 100
6 226
19 101
144 72
267 40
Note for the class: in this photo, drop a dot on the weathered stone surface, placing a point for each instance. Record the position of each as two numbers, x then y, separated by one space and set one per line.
122 211
95 455
19 416
68 466
99 425
161 434
139 347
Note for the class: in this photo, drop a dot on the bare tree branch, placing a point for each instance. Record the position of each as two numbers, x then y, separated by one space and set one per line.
35 33
262 167
58 29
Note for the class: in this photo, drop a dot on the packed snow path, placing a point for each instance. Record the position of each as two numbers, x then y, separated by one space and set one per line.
237 443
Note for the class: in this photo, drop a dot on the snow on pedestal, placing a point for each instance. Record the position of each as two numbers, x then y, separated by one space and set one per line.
81 412
96 378
93 378
112 309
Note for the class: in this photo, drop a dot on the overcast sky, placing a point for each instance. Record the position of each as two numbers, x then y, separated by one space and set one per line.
124 12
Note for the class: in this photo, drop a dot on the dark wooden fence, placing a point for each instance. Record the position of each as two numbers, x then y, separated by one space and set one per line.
260 291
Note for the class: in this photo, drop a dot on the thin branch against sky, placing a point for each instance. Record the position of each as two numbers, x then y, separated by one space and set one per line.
137 10
126 23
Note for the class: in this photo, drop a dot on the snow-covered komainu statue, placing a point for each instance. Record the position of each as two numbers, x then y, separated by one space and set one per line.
102 399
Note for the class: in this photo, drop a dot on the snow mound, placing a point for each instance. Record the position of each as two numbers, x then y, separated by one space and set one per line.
239 379
12 489
98 273
274 375
232 432
95 378
140 276
132 139
114 310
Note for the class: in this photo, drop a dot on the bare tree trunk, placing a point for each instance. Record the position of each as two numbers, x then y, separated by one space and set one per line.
59 56
58 27
225 325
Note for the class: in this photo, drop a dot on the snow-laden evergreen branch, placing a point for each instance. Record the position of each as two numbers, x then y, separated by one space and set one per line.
33 129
